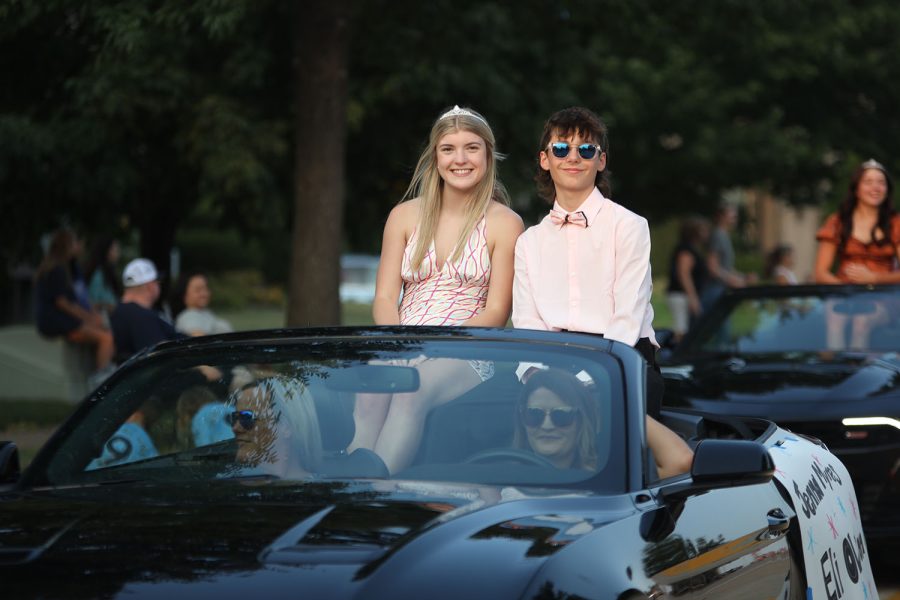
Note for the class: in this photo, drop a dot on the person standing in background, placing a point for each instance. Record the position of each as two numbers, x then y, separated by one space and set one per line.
720 258
688 274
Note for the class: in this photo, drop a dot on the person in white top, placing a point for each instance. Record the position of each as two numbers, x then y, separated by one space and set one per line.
780 265
190 303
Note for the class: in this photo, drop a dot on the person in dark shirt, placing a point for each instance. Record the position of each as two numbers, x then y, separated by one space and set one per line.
58 310
135 325
688 274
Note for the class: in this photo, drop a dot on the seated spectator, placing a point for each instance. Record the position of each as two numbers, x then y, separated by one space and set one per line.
104 288
130 442
780 265
201 419
135 325
59 311
190 305
276 428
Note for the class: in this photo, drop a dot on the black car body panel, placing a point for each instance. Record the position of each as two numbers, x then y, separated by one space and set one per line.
786 373
185 524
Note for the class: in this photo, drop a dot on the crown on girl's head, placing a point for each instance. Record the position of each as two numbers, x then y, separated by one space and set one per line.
873 164
456 111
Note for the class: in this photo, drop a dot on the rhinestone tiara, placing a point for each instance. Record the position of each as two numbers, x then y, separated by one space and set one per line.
873 164
456 111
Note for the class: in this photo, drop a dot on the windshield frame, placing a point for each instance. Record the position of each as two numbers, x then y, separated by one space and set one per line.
711 322
144 371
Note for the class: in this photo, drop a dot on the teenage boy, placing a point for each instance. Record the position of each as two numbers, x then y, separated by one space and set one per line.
586 266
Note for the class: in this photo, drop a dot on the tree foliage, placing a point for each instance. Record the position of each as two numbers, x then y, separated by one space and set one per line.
149 114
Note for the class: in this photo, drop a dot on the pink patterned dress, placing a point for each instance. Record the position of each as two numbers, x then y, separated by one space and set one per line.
452 294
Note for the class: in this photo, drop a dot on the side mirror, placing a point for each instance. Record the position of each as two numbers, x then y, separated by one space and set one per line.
9 463
723 464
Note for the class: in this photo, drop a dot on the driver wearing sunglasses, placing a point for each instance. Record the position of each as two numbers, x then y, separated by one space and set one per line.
558 419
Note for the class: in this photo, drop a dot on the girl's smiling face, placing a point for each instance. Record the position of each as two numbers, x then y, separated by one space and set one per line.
872 188
461 160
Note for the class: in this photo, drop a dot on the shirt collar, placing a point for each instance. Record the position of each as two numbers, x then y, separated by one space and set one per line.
590 207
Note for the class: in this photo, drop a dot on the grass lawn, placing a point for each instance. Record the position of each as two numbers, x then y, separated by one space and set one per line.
354 313
269 317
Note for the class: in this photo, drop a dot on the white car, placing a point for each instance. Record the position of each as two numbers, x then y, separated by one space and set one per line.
358 272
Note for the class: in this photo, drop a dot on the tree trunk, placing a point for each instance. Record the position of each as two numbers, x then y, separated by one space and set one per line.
320 63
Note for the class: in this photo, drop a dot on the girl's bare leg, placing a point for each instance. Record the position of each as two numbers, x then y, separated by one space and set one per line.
369 413
442 380
102 340
835 324
862 325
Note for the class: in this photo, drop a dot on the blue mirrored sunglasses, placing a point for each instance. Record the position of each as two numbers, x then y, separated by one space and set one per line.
246 419
585 151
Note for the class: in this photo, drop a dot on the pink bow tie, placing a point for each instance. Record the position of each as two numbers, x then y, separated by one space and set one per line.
559 217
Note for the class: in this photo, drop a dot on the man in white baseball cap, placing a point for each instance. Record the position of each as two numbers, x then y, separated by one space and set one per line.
135 325
138 272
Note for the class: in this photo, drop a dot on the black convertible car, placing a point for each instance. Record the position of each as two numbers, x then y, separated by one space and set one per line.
822 360
228 467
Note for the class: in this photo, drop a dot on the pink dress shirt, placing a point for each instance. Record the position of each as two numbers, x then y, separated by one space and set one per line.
593 279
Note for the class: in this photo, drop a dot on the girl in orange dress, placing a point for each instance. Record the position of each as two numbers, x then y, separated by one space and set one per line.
863 237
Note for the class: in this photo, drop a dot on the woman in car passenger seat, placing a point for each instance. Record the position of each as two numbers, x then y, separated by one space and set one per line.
448 246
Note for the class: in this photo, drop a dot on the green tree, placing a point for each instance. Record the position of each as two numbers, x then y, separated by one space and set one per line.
144 114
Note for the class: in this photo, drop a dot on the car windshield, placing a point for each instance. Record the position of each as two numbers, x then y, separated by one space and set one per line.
857 321
289 409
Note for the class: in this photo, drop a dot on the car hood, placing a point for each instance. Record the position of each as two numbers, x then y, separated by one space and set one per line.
228 539
784 380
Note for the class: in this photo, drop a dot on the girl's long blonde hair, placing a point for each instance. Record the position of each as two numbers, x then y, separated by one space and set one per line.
428 185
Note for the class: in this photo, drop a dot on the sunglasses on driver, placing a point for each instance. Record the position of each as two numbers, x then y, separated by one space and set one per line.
560 417
585 151
245 418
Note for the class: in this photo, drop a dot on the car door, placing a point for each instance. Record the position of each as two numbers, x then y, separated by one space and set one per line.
725 543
